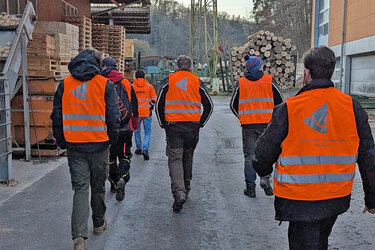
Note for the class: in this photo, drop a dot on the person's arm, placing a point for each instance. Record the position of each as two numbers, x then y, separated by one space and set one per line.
134 102
56 117
234 102
268 146
366 154
160 103
277 95
208 105
112 112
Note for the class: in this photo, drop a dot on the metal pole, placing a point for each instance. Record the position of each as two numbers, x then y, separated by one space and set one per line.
231 67
342 43
222 74
25 90
226 68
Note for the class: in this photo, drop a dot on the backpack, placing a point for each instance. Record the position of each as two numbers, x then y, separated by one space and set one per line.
124 104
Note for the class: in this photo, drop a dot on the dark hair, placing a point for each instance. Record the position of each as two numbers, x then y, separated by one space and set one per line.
184 62
140 74
321 62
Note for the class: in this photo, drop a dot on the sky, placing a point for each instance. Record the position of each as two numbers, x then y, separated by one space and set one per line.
233 7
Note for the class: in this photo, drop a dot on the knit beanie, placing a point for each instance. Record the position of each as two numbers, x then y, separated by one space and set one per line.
253 63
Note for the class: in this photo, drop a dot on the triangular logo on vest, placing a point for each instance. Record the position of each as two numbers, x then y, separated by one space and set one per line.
182 84
319 120
81 91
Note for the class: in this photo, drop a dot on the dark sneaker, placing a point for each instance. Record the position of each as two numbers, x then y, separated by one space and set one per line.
178 202
250 191
100 230
79 243
138 151
187 191
120 191
266 185
145 155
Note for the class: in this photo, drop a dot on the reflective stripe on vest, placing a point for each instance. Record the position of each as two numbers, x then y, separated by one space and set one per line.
319 154
83 110
256 102
183 101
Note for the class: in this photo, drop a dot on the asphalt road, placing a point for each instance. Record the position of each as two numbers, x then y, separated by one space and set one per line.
216 216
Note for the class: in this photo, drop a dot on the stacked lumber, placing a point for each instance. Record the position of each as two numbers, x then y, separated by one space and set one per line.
9 20
43 44
277 54
85 29
66 38
110 40
129 48
4 51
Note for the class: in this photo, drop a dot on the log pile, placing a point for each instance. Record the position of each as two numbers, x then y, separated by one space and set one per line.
4 51
277 54
9 20
85 29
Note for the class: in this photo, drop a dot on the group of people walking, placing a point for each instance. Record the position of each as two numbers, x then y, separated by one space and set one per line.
315 139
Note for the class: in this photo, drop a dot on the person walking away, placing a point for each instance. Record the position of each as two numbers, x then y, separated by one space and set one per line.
179 112
146 101
252 103
119 174
316 138
85 121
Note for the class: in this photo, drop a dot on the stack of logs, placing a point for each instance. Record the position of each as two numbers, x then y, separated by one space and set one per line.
277 54
9 20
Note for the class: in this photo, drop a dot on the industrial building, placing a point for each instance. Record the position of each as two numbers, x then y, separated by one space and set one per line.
346 26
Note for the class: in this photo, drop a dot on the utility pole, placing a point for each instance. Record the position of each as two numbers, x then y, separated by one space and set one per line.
204 18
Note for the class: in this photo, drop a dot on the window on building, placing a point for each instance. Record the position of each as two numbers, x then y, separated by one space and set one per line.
69 9
322 25
15 6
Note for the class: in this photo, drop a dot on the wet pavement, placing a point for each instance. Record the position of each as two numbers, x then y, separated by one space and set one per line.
216 216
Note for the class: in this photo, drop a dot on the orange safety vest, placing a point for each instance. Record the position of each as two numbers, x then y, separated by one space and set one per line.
319 154
256 100
128 88
145 93
83 109
183 101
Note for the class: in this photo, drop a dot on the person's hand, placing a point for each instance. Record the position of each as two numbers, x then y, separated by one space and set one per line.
370 210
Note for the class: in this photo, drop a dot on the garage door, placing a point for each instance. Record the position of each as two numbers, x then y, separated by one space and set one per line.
363 76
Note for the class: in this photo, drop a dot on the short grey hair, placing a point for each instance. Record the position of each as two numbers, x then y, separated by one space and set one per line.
184 62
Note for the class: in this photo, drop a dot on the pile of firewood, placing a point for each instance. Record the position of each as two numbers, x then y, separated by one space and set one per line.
9 20
277 54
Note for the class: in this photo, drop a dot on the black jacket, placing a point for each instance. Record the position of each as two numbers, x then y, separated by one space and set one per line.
277 99
268 149
178 128
84 67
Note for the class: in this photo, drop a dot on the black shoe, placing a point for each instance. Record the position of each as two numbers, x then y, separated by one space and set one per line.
120 191
145 155
266 185
138 151
178 202
250 191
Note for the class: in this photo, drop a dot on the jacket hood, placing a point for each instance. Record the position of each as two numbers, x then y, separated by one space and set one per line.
254 75
140 82
84 67
112 74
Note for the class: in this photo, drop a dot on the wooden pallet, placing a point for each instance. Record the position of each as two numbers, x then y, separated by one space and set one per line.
47 148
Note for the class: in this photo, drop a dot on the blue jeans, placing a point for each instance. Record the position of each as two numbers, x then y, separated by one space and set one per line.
147 121
249 138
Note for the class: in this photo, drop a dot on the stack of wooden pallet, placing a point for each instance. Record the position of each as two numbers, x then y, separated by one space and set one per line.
129 48
85 29
9 20
278 56
110 40
100 37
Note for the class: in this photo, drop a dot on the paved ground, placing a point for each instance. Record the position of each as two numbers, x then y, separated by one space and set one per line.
216 216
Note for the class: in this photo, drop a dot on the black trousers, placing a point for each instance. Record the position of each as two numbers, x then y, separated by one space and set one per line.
310 235
119 160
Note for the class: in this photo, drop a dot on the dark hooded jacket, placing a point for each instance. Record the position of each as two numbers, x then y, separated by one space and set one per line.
254 76
116 77
268 150
84 67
